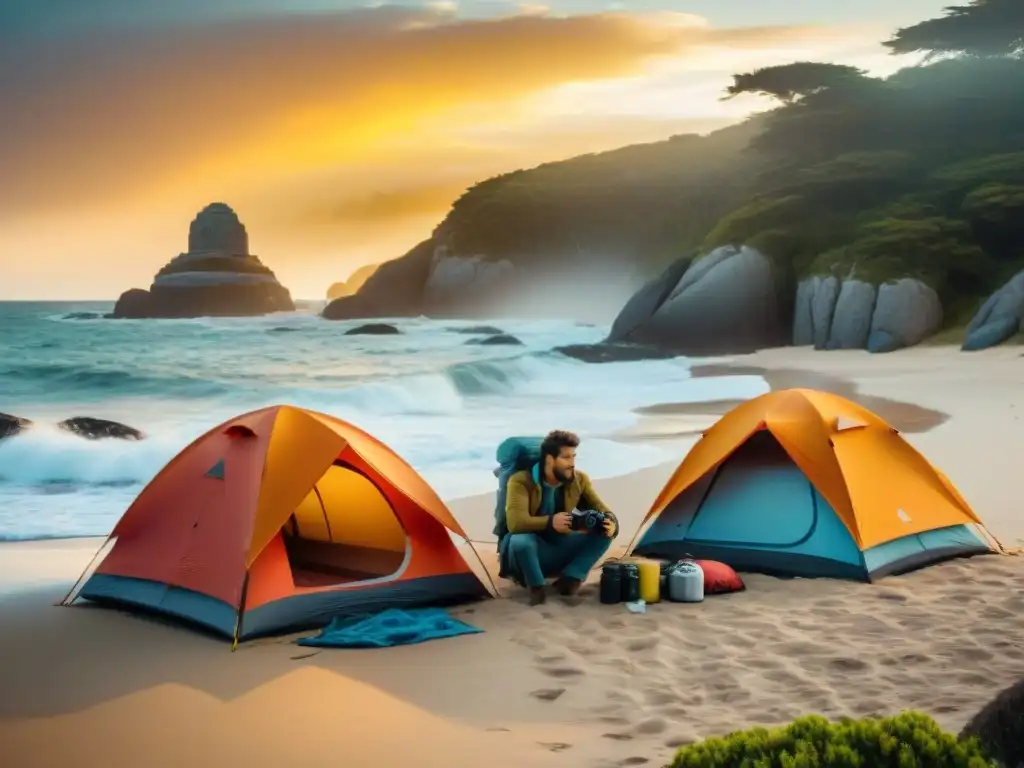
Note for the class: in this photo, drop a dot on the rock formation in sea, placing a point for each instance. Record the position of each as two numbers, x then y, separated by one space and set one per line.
217 276
99 429
82 426
12 425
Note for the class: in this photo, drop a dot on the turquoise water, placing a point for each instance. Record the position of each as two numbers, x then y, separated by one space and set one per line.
442 404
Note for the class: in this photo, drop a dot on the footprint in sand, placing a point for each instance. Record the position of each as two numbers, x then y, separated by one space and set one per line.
642 644
651 727
555 746
617 736
675 742
847 664
660 697
561 672
547 694
971 654
550 658
635 760
974 679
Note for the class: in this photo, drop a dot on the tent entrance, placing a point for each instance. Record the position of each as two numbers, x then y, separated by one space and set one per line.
344 531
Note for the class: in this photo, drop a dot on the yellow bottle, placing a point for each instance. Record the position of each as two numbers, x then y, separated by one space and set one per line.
650 580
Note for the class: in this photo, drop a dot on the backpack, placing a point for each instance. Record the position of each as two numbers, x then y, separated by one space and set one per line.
514 455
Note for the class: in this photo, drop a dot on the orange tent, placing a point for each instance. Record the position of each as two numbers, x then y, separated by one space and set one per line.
282 519
799 482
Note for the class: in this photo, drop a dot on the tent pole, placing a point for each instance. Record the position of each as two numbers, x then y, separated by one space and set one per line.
472 546
64 601
240 612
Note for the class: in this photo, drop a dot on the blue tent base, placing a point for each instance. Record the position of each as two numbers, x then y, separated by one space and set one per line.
389 628
297 613
788 565
758 513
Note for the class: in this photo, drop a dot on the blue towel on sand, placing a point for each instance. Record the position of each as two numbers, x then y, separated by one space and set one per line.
388 628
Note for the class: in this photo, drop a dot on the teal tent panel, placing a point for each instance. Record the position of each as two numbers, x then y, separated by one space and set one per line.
759 512
922 548
216 471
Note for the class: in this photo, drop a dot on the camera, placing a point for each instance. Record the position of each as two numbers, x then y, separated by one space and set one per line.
587 521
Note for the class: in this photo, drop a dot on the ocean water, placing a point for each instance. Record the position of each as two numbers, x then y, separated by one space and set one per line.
442 404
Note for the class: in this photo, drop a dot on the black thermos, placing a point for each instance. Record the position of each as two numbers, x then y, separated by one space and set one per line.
611 582
630 583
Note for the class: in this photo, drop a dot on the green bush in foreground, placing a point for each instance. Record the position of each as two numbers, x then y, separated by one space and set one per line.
908 740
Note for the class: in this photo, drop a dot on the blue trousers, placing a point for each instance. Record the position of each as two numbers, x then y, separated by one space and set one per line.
536 557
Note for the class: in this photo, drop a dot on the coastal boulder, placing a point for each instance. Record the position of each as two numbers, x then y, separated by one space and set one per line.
645 302
852 316
725 302
135 303
906 313
999 318
99 429
815 304
476 330
217 276
12 425
373 329
497 340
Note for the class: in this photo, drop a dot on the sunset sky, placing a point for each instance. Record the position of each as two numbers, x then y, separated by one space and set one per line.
341 131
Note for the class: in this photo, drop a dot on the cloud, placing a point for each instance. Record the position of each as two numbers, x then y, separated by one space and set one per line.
195 109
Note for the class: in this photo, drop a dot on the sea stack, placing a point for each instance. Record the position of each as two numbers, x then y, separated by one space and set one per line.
216 277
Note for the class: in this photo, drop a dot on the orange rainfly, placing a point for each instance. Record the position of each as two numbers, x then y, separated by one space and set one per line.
801 482
282 519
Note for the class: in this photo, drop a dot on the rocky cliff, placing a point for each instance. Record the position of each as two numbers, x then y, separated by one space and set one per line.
217 276
574 238
869 213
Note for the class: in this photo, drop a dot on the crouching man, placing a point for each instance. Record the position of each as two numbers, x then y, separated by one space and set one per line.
546 538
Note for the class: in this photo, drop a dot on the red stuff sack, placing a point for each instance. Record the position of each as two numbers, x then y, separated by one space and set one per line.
719 578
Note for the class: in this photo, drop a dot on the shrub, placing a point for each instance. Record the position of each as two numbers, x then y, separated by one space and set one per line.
908 740
928 249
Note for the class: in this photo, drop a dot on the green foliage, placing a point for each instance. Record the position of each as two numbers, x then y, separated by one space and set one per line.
981 28
1001 204
908 740
1007 167
646 202
789 82
756 216
889 248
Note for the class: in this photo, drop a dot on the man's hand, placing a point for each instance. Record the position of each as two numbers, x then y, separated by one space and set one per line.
562 522
609 527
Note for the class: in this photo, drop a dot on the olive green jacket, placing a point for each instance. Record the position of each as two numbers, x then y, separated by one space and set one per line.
523 502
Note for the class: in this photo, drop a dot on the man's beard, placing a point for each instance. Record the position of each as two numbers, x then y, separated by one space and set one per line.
564 475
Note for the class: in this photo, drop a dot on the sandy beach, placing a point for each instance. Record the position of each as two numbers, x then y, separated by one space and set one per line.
562 684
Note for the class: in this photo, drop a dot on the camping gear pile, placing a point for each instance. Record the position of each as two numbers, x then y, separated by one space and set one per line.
284 518
646 581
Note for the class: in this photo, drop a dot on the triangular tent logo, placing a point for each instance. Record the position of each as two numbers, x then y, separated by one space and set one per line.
216 471
845 422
